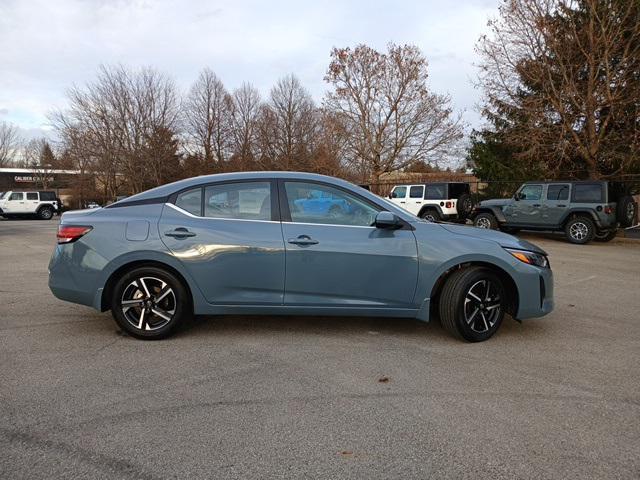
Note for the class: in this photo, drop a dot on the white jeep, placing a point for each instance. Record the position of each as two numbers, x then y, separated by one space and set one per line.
449 201
18 203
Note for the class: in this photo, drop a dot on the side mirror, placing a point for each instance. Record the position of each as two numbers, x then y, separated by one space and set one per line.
386 219
516 196
392 195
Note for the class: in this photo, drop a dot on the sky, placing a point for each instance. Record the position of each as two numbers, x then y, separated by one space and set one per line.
46 46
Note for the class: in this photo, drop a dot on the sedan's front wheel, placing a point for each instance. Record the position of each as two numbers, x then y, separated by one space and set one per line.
472 304
150 303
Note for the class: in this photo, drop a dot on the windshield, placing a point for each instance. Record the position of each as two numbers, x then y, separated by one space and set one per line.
2 195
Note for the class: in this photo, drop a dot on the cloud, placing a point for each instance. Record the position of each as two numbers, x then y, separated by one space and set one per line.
57 44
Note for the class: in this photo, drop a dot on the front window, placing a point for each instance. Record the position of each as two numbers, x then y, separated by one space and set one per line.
16 196
531 192
399 192
323 204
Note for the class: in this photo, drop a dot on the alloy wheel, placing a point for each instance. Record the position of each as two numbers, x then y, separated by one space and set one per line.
148 303
482 305
483 222
579 231
630 212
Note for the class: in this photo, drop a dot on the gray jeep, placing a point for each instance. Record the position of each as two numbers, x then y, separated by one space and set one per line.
585 210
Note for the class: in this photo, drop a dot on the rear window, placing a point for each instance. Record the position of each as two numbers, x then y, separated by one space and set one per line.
435 192
416 192
191 201
557 192
47 196
587 193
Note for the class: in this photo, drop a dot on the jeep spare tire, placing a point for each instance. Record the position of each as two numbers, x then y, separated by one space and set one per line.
626 211
464 206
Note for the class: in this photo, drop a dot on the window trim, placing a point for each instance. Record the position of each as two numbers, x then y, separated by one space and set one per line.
273 192
285 214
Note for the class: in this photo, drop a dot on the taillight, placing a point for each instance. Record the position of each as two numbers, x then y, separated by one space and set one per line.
448 204
71 233
608 210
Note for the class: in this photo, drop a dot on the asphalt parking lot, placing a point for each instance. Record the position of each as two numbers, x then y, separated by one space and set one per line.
302 397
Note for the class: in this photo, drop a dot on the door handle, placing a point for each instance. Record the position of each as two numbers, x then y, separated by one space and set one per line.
180 232
560 205
303 240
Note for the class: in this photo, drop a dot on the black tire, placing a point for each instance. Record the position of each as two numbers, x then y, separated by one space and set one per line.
486 220
175 305
626 211
580 230
457 304
464 206
605 236
45 213
430 214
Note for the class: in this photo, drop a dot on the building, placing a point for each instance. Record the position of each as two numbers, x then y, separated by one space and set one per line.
60 181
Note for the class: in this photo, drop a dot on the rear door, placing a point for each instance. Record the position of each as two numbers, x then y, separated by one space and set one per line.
228 236
556 203
343 260
415 199
31 201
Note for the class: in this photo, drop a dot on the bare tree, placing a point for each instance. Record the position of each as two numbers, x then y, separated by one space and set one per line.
207 119
9 143
245 114
561 82
390 117
117 116
293 123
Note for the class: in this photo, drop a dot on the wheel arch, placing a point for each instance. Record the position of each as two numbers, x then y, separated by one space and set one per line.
495 211
105 301
430 207
507 280
579 213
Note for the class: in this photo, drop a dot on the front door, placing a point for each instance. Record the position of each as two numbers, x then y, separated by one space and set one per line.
527 208
340 259
228 237
15 203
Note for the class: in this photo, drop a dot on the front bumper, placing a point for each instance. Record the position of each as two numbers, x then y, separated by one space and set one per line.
535 294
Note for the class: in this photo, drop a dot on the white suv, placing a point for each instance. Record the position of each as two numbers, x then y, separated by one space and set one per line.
17 203
435 201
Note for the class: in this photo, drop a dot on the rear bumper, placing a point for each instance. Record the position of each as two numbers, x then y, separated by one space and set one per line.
66 283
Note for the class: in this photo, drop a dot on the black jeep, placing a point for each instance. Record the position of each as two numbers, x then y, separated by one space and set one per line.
584 210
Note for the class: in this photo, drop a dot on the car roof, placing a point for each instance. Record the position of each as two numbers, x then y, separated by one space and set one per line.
170 188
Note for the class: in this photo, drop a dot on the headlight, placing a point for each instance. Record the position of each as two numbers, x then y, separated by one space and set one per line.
531 258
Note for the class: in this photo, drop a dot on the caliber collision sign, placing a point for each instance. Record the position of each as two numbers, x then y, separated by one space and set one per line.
30 179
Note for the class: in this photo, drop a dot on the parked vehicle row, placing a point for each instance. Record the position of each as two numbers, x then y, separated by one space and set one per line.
290 243
435 201
585 211
43 204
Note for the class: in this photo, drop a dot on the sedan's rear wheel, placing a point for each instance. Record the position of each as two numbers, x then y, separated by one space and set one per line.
472 304
150 303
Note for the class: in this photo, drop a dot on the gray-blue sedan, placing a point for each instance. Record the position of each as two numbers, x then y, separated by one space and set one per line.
262 243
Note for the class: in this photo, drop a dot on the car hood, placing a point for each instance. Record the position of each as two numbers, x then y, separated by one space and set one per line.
502 239
495 202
